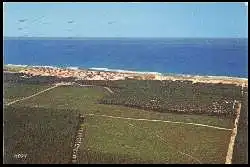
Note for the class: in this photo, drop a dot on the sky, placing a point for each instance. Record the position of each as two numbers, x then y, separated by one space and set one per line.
123 19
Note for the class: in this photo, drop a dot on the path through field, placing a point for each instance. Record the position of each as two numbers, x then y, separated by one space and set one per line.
78 141
127 118
157 120
107 88
56 85
33 95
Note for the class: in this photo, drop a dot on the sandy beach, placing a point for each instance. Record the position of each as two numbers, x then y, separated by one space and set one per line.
100 74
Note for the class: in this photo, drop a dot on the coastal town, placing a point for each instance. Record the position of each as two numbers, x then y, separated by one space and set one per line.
76 73
88 74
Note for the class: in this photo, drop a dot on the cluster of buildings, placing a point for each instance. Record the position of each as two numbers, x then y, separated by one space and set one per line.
105 75
80 74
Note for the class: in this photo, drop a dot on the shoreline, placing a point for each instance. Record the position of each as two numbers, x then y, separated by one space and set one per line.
157 75
124 71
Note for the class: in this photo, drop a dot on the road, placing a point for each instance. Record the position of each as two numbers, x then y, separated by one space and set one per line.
25 98
233 136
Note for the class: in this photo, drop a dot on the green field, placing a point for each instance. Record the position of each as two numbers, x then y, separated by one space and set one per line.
139 139
86 101
17 91
108 140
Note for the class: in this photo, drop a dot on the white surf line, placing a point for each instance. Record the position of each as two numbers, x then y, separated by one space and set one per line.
233 136
156 120
34 94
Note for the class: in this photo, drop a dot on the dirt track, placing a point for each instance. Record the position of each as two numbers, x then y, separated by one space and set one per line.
33 95
155 120
233 136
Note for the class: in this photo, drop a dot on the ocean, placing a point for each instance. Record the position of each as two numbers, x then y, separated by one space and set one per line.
217 57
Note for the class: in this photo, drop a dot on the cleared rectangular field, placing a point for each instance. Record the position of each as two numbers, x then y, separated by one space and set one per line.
124 141
154 142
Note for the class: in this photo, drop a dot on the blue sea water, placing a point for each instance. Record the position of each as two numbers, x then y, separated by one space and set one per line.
221 57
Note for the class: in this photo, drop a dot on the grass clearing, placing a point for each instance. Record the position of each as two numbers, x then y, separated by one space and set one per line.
115 140
139 139
17 91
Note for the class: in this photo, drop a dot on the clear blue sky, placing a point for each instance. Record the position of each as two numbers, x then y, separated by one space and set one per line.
124 19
